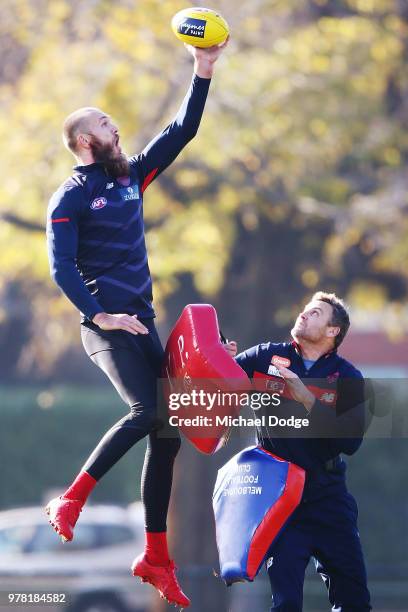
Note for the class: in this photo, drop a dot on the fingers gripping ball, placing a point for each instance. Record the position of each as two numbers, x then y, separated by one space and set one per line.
200 27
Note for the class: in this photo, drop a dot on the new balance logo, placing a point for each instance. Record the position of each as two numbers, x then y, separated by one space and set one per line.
110 186
269 562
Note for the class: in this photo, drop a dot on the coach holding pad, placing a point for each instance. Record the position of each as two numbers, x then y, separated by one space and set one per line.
324 525
98 258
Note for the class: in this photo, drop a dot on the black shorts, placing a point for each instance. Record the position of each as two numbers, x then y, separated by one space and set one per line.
131 362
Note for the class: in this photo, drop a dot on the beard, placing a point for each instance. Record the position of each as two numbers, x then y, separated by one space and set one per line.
115 165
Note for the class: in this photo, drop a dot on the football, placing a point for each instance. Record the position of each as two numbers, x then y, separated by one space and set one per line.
200 27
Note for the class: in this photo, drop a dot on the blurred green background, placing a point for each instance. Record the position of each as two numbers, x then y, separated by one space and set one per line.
297 181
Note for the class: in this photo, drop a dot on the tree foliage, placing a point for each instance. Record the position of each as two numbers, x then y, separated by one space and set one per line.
297 179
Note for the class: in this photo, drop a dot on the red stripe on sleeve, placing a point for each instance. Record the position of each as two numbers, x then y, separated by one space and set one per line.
149 179
61 220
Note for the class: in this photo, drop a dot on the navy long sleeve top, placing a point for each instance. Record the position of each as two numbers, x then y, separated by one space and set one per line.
95 230
337 419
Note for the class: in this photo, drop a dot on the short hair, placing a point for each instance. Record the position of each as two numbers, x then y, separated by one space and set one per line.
340 316
75 124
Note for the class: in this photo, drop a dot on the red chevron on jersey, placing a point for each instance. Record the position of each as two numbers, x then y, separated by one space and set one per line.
149 179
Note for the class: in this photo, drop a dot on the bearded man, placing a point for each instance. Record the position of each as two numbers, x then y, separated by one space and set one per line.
98 258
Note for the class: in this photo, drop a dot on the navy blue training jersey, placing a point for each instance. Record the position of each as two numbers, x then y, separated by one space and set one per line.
339 410
95 230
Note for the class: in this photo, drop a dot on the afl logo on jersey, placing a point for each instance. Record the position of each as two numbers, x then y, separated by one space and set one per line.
98 203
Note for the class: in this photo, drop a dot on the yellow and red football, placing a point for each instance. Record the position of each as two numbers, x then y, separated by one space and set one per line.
200 27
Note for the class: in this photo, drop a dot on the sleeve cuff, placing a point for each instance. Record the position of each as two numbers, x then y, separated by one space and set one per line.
197 78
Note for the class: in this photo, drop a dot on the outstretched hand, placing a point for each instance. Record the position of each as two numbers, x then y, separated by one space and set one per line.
205 58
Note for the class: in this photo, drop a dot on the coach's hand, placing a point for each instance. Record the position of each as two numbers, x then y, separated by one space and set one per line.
204 59
298 390
231 348
128 323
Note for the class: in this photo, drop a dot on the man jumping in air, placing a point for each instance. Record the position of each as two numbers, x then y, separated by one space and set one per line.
98 258
315 382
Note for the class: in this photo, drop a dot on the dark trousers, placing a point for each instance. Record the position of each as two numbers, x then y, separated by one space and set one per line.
325 529
133 365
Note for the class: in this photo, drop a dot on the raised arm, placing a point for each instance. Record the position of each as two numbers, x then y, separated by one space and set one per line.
165 147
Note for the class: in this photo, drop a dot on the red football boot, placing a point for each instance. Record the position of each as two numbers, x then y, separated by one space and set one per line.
63 514
161 577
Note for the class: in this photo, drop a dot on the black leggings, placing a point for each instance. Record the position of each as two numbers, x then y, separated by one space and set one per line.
133 364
